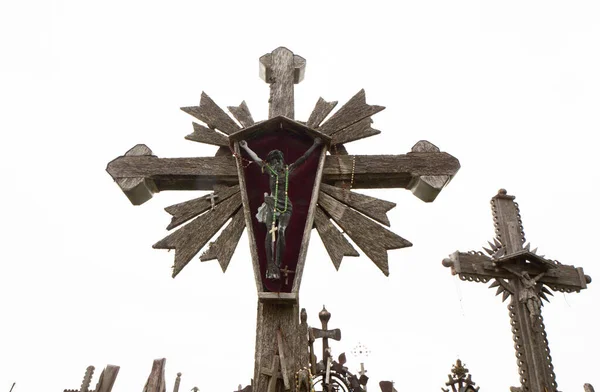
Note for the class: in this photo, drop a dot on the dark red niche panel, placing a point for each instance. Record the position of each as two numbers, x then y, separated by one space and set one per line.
301 182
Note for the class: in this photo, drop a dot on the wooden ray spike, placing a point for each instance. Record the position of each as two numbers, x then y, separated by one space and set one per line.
370 206
207 136
356 131
188 240
321 110
336 245
156 379
372 238
353 111
185 211
211 114
242 114
222 249
107 379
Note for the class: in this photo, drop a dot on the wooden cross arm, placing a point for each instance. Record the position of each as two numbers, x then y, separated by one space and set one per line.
140 174
481 268
424 173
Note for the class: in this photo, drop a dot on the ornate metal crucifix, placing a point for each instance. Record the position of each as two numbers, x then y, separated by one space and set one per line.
276 179
524 276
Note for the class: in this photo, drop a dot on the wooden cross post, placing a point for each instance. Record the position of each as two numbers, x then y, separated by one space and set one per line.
318 191
524 276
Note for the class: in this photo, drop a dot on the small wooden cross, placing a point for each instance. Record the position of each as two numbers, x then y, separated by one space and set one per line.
286 272
524 276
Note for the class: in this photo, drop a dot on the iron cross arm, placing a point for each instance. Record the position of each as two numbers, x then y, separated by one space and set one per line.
140 174
477 267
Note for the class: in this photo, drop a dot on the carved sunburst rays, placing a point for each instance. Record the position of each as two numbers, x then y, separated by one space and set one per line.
506 288
354 213
209 214
496 250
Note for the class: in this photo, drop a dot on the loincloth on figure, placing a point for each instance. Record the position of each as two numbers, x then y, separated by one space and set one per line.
282 215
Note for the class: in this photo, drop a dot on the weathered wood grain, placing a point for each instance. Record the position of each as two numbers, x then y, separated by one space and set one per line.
222 249
356 131
336 245
370 237
242 114
353 111
272 318
248 220
471 266
156 380
137 189
427 187
277 69
370 206
211 114
371 171
207 136
321 110
107 379
188 240
182 212
309 222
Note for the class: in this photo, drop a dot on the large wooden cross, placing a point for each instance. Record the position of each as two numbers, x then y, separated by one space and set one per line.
524 276
320 192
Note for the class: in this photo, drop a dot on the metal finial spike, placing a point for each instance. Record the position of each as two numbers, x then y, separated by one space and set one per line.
526 247
488 251
534 251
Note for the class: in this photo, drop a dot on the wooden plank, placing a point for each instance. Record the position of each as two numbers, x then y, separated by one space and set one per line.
188 240
207 136
352 112
374 171
370 206
107 379
242 114
336 245
156 380
283 359
356 131
281 69
222 249
388 171
370 237
187 210
211 114
309 222
248 220
321 110
473 266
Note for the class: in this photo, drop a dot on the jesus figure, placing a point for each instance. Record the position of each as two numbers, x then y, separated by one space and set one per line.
276 210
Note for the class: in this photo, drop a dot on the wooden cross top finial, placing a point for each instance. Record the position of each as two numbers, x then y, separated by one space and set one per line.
282 69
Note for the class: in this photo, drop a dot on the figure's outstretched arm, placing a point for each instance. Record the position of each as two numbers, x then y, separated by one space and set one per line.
255 158
304 157
539 276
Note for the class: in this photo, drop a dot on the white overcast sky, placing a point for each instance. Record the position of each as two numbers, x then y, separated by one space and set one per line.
510 88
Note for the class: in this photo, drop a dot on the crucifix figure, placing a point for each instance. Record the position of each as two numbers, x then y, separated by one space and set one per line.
276 210
322 190
524 276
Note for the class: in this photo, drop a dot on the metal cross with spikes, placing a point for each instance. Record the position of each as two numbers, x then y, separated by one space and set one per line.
524 276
